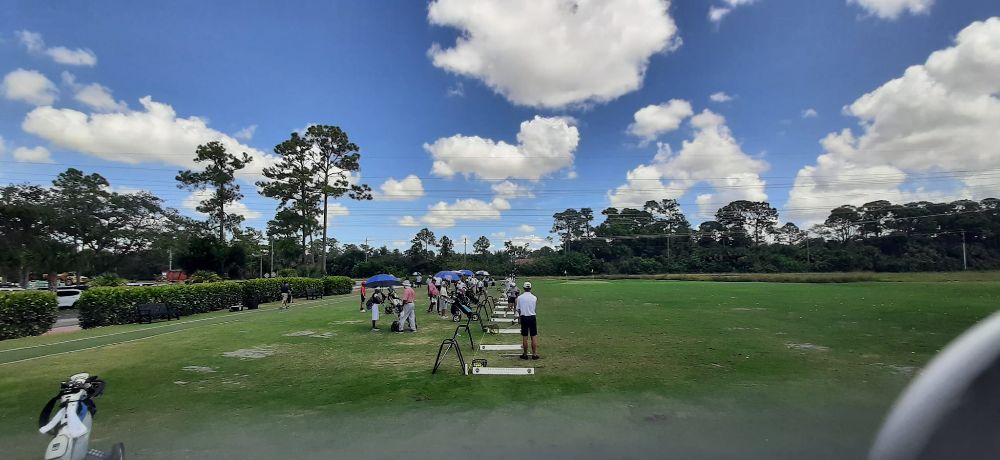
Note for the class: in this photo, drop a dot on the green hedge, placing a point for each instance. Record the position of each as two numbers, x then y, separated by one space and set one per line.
105 306
336 285
26 313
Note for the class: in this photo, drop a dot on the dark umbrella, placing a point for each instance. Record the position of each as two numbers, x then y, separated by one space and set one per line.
466 273
383 280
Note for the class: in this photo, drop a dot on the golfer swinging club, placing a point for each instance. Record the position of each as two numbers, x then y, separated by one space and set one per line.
525 307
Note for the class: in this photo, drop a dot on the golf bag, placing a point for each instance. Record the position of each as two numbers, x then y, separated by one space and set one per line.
70 427
462 306
394 305
396 327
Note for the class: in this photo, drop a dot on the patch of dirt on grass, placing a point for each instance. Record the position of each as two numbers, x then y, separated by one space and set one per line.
180 382
318 335
806 347
897 369
299 333
198 369
749 309
586 282
260 351
348 321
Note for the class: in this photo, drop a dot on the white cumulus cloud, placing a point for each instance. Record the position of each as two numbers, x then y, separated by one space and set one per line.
720 97
34 43
544 145
238 208
443 214
892 9
335 210
509 190
408 221
554 53
712 156
246 133
29 86
810 113
94 95
717 13
525 228
407 189
32 155
939 117
155 134
653 120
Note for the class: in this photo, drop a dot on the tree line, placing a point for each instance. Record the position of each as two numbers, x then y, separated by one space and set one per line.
81 224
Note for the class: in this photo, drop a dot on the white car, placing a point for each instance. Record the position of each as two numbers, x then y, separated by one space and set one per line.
68 297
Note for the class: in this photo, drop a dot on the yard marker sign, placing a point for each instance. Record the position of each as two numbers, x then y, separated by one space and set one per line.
511 347
483 370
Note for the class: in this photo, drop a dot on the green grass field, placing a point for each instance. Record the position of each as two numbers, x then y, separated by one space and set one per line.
630 368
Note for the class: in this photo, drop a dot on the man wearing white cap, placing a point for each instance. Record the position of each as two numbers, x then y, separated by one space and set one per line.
409 297
525 306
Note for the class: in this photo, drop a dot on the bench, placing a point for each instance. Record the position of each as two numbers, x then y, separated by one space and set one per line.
312 294
150 311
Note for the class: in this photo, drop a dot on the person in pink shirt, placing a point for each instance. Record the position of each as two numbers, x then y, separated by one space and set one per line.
432 293
408 309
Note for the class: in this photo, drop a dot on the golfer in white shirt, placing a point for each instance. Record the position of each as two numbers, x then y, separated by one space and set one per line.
525 307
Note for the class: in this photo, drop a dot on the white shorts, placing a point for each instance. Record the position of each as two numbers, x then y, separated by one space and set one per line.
375 309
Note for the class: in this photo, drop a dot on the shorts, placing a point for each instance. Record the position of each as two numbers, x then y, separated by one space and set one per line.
375 308
284 297
529 325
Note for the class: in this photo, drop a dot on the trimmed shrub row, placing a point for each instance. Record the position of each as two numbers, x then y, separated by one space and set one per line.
105 306
337 285
26 313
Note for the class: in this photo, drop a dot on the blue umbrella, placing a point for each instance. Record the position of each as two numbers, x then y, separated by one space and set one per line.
448 275
382 280
466 272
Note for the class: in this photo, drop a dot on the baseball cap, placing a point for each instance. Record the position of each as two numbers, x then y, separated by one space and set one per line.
527 284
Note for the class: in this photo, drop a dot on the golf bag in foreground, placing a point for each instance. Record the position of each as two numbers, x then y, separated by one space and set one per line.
951 409
71 425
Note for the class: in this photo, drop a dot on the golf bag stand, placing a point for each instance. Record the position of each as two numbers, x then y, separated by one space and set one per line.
70 427
468 332
442 352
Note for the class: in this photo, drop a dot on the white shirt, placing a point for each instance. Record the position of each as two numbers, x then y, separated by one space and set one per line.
526 304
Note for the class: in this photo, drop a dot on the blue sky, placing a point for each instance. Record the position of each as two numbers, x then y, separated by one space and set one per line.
373 68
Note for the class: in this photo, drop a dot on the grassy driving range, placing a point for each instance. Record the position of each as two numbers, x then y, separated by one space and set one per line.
641 368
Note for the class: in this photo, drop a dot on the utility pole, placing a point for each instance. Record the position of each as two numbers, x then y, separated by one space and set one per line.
965 262
808 258
271 240
260 274
170 260
366 249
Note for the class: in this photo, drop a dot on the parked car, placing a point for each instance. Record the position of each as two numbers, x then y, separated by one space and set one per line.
10 288
68 297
